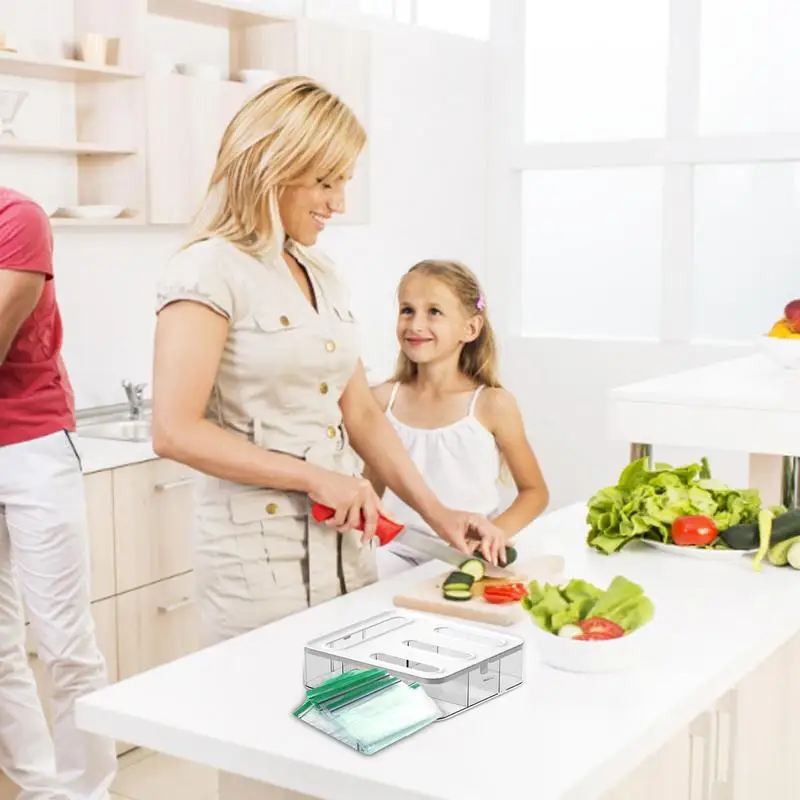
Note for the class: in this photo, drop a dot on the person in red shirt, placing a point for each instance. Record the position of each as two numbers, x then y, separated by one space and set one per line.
44 551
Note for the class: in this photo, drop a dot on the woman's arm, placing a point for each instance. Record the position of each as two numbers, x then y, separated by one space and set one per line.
504 421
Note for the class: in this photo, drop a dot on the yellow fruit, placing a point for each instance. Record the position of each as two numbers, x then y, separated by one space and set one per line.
782 330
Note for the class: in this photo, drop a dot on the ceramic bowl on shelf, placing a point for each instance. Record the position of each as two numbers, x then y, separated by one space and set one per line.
256 78
91 212
209 72
785 352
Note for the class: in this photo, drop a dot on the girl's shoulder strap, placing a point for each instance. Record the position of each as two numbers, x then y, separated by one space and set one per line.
474 401
393 395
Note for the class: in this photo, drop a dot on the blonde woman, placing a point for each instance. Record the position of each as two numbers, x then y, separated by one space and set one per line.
258 383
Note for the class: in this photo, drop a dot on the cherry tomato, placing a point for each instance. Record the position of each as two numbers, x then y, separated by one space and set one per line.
696 531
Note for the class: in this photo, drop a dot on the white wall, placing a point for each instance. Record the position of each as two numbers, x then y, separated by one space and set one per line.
427 140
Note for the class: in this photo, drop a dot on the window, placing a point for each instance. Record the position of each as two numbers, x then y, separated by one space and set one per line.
470 18
592 252
595 70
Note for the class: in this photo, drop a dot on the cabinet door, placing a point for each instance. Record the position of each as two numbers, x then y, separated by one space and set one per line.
98 488
152 522
767 710
679 770
186 117
157 624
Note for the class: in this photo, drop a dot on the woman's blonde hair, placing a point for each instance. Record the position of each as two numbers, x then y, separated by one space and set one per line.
291 129
478 359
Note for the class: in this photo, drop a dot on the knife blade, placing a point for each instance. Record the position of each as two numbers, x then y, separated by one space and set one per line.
439 550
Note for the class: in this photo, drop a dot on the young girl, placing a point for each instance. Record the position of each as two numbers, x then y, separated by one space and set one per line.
459 425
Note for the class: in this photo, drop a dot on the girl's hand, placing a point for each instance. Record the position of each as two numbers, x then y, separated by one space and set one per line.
352 499
470 533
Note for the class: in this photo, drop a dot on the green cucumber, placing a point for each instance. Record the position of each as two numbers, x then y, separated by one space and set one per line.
459 578
746 536
456 594
474 567
511 556
778 554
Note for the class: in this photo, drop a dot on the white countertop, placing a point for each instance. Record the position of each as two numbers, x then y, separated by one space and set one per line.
750 405
100 454
559 736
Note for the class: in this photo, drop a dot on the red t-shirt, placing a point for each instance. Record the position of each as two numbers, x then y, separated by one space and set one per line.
35 393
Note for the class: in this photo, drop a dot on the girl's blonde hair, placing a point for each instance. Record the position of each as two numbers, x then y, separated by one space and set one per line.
290 130
478 359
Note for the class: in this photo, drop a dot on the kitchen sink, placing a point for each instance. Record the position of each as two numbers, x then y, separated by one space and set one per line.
126 430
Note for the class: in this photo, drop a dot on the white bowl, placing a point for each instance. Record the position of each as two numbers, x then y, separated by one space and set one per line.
92 212
785 352
610 655
257 77
206 71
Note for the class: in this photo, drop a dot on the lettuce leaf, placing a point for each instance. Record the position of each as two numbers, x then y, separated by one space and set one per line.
645 503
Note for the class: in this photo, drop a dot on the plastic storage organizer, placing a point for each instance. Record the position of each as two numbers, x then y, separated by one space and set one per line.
458 666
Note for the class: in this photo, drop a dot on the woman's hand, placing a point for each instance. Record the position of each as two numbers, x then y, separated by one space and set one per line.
352 499
470 533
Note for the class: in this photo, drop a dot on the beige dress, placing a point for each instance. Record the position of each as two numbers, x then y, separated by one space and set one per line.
259 556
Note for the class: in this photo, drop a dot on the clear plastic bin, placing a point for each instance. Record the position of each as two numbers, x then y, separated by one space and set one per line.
458 665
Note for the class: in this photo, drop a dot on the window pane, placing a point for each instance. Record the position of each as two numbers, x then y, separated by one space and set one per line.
381 8
747 248
595 70
591 253
750 66
461 17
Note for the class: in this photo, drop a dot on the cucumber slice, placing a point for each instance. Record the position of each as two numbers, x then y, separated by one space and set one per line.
474 567
459 578
459 595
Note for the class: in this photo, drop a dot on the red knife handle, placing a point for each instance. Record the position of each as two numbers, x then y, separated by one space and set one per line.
385 531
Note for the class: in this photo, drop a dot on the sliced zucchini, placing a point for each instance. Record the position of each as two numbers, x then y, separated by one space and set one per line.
459 595
459 578
474 567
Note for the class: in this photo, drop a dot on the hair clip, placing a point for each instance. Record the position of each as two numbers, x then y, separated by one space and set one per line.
481 304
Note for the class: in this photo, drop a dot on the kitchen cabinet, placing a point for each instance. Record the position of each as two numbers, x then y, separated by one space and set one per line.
142 141
152 519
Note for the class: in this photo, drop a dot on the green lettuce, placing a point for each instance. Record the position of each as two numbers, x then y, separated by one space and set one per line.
624 602
645 503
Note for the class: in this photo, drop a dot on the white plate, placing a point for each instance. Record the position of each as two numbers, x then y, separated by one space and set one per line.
92 212
699 552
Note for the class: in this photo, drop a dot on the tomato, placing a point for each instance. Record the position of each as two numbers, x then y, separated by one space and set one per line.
593 637
696 531
504 593
599 628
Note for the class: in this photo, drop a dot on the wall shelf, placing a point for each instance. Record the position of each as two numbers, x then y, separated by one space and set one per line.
122 222
60 69
226 13
63 148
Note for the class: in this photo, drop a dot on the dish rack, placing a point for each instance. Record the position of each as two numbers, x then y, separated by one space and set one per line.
458 666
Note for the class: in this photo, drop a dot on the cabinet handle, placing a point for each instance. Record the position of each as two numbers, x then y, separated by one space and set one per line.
184 601
700 762
165 487
724 765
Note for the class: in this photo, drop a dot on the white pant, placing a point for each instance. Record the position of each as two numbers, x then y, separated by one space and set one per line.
43 534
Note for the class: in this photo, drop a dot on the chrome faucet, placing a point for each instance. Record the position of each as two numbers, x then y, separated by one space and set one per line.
135 395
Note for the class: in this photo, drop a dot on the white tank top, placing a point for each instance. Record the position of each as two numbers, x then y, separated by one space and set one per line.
460 463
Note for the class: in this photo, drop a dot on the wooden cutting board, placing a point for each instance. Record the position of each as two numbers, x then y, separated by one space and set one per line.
427 596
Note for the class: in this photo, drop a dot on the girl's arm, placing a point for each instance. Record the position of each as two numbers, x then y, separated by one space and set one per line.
381 394
504 421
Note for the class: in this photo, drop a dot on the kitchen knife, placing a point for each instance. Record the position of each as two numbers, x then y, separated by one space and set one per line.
436 548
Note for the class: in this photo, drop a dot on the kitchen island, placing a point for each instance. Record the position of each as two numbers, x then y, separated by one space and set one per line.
709 713
748 405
